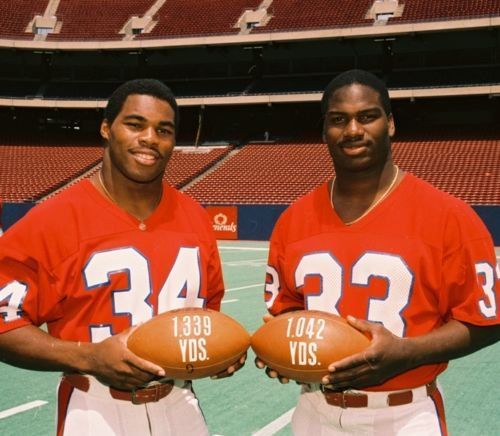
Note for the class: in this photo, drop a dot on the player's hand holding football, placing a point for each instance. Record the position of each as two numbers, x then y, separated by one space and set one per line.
261 365
386 356
228 372
113 364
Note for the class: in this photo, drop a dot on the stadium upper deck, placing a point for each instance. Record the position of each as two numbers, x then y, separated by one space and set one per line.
52 23
72 54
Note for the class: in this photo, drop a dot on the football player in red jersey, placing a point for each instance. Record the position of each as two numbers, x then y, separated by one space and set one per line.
101 257
411 266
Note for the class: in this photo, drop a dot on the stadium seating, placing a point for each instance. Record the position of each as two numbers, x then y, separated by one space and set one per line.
467 168
201 17
17 14
30 172
280 173
258 173
418 10
96 19
265 174
188 163
103 19
301 15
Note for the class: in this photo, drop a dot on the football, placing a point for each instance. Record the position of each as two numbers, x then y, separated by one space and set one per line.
190 343
300 345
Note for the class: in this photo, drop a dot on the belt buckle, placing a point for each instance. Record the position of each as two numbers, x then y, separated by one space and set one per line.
343 403
154 392
157 392
134 397
148 398
334 398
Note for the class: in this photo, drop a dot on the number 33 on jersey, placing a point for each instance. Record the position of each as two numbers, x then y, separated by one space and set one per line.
408 268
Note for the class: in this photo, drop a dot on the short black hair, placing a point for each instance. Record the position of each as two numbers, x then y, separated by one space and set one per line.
360 77
151 87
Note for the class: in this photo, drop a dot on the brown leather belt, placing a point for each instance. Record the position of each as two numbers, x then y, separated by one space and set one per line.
355 399
149 394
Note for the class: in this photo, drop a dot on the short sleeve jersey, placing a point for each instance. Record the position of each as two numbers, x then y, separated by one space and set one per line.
86 268
419 259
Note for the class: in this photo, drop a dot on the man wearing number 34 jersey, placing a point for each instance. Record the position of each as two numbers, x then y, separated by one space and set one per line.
409 265
107 254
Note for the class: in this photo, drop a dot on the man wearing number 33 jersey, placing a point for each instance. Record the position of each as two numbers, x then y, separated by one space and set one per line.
107 254
409 265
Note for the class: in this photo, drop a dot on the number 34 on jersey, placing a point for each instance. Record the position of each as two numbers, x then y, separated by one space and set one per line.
181 287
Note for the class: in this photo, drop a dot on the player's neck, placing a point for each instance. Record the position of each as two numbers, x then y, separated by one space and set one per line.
362 184
137 199
354 195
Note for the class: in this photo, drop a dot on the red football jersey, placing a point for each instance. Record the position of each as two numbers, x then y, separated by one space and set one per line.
418 259
89 270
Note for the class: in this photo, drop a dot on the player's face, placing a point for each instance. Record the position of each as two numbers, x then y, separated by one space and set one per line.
356 129
141 139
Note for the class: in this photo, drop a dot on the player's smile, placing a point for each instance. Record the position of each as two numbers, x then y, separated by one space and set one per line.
146 157
353 149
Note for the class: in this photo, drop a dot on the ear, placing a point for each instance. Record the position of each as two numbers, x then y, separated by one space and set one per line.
391 125
105 127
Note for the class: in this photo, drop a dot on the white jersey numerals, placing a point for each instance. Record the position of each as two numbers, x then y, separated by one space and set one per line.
13 294
272 287
386 310
399 279
180 289
132 300
487 305
330 273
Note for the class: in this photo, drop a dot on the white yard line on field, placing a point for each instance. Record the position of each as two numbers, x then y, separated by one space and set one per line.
245 262
222 247
276 425
245 287
22 408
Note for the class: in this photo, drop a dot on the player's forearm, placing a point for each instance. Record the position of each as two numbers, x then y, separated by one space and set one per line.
31 348
453 340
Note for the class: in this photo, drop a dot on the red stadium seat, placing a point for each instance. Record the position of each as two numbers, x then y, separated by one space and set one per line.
280 173
103 19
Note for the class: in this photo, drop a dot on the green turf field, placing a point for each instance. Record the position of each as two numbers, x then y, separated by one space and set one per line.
250 403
